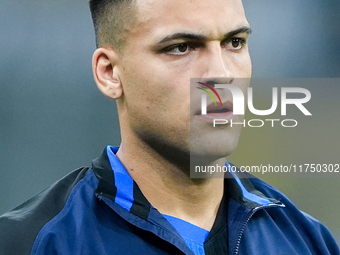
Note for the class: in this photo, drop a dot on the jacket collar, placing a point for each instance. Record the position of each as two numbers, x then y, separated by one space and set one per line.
116 184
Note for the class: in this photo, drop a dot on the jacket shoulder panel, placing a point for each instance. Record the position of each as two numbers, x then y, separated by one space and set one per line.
19 227
297 230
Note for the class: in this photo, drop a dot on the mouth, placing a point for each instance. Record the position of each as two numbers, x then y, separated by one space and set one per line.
224 111
226 107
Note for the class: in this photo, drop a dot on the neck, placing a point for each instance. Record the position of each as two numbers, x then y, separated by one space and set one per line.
170 189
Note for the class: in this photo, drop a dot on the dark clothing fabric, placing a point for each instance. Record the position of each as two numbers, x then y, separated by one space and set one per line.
99 210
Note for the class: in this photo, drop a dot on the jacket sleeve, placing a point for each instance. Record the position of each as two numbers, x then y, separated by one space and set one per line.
322 234
19 227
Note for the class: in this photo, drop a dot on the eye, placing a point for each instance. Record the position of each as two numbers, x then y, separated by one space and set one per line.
237 43
179 49
182 47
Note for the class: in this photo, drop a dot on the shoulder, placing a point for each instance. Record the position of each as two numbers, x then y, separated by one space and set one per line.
19 227
297 223
290 208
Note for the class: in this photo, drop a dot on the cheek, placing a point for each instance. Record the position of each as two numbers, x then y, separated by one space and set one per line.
247 66
156 87
154 94
138 84
242 65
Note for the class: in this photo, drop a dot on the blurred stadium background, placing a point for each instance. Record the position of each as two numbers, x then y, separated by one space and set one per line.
53 119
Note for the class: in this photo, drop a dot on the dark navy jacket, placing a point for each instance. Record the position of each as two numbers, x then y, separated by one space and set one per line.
101 210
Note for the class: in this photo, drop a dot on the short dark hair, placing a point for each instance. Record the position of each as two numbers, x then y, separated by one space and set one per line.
111 19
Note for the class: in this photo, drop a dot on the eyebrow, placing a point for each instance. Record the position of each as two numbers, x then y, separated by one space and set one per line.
199 37
240 30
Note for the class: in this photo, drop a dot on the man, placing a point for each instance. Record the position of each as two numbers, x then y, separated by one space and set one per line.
139 198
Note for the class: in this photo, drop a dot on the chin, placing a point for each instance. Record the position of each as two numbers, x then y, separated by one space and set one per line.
212 152
216 145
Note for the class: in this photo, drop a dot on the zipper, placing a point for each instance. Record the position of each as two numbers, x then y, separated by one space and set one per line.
254 210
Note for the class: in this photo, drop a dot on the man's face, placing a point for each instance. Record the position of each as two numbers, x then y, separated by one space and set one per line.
171 42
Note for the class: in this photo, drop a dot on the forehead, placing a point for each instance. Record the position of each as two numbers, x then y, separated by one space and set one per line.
157 18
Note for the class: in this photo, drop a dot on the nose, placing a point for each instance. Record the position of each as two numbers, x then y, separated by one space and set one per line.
215 66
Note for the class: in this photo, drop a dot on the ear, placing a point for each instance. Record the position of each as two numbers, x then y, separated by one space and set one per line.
106 74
